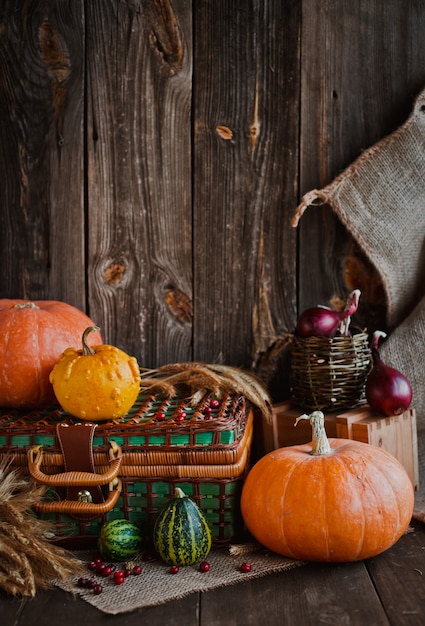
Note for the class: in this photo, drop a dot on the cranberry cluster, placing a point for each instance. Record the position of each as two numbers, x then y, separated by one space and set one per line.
181 415
209 409
106 570
119 575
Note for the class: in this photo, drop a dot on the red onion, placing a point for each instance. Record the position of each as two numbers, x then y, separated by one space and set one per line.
321 321
387 390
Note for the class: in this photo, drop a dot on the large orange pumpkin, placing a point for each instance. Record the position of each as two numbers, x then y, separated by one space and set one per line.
333 500
33 335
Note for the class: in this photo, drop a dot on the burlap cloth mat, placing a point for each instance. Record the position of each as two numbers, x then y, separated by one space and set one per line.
156 585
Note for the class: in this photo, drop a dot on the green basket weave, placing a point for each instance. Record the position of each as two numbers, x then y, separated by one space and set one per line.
141 502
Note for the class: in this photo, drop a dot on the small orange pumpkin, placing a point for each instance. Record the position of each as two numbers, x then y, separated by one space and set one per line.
32 337
333 500
98 383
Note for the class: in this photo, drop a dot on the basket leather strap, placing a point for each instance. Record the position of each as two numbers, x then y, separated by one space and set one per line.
76 443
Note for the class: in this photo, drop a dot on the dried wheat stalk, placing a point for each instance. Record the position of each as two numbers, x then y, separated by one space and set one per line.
203 379
28 561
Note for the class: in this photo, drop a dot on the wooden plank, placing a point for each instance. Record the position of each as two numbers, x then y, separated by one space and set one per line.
245 176
398 578
41 151
53 607
139 71
355 90
313 594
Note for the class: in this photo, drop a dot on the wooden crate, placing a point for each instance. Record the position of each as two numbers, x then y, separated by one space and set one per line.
396 434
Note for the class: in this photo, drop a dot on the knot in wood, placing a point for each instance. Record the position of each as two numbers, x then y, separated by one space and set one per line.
114 273
179 305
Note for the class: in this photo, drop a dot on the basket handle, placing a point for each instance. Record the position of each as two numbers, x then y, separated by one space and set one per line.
79 508
74 478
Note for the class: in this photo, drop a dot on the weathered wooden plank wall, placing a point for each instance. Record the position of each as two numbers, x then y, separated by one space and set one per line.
152 154
362 66
42 252
246 115
139 90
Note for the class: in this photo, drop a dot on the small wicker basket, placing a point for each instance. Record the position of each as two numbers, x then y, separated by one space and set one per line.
329 374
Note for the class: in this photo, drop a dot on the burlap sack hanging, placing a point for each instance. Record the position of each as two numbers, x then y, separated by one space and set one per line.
380 198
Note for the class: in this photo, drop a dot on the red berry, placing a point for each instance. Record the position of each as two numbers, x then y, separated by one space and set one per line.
107 571
208 410
97 590
214 404
160 416
204 566
181 416
92 565
82 582
127 572
137 569
119 577
98 559
246 567
174 569
100 567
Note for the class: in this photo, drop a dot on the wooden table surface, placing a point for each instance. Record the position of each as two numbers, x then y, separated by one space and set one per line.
386 590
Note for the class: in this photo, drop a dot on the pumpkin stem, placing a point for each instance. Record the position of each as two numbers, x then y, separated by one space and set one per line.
87 351
179 493
320 443
26 305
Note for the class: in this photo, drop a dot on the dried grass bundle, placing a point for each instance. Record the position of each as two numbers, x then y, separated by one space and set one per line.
203 379
28 561
243 549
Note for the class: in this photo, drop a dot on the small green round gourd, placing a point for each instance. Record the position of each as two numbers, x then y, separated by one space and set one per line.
181 534
119 540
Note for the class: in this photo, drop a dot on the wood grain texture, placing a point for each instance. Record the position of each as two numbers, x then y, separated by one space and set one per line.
362 67
53 607
314 594
246 88
398 578
139 65
41 151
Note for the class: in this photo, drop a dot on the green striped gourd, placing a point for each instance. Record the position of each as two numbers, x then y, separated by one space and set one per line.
181 533
119 540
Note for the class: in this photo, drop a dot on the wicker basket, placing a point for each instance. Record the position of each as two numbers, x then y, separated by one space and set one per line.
206 455
329 374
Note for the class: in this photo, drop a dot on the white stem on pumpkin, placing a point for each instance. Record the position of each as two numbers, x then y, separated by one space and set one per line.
26 305
320 443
